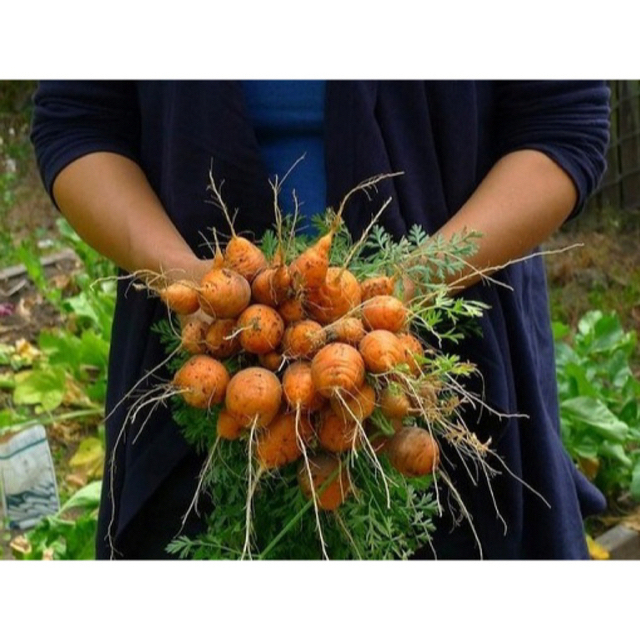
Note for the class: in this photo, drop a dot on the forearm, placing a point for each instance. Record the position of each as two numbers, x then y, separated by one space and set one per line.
108 200
521 202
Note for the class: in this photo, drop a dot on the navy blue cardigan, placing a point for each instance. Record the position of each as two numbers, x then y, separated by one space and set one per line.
444 136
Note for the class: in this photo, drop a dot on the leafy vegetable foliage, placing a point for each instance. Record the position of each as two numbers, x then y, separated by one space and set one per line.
599 402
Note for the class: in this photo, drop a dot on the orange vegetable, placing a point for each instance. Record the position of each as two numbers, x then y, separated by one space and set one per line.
224 293
221 338
193 334
336 296
291 310
337 434
384 312
260 329
244 257
413 452
337 367
271 285
358 405
181 297
348 330
382 351
272 360
302 339
227 426
298 388
254 396
376 286
413 351
394 403
278 444
202 381
329 481
309 269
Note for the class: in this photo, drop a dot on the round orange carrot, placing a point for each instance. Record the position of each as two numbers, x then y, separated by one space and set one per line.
413 351
376 286
202 380
348 330
181 297
193 334
254 396
244 257
337 434
279 444
329 481
413 452
384 312
302 339
336 296
381 351
221 339
291 310
228 427
224 293
337 367
394 402
298 388
271 285
260 329
358 405
272 360
309 269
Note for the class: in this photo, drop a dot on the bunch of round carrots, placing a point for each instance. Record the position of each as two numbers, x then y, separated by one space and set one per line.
327 351
309 363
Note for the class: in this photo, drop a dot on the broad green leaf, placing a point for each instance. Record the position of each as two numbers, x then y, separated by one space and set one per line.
593 413
618 370
564 354
585 448
630 413
86 498
617 452
578 382
587 323
45 387
608 335
60 347
560 330
81 306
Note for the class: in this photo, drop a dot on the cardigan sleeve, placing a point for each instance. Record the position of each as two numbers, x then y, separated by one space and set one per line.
566 120
75 118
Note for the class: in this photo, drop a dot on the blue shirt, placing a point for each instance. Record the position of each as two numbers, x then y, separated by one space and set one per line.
288 119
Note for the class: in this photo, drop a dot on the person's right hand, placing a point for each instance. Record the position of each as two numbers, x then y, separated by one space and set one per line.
107 199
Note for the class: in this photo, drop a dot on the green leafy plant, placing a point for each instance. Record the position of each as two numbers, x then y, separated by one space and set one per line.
600 402
68 535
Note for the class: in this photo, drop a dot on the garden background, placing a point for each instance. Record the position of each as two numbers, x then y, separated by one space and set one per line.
55 312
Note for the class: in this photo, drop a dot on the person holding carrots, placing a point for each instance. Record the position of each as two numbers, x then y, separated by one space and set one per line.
127 163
